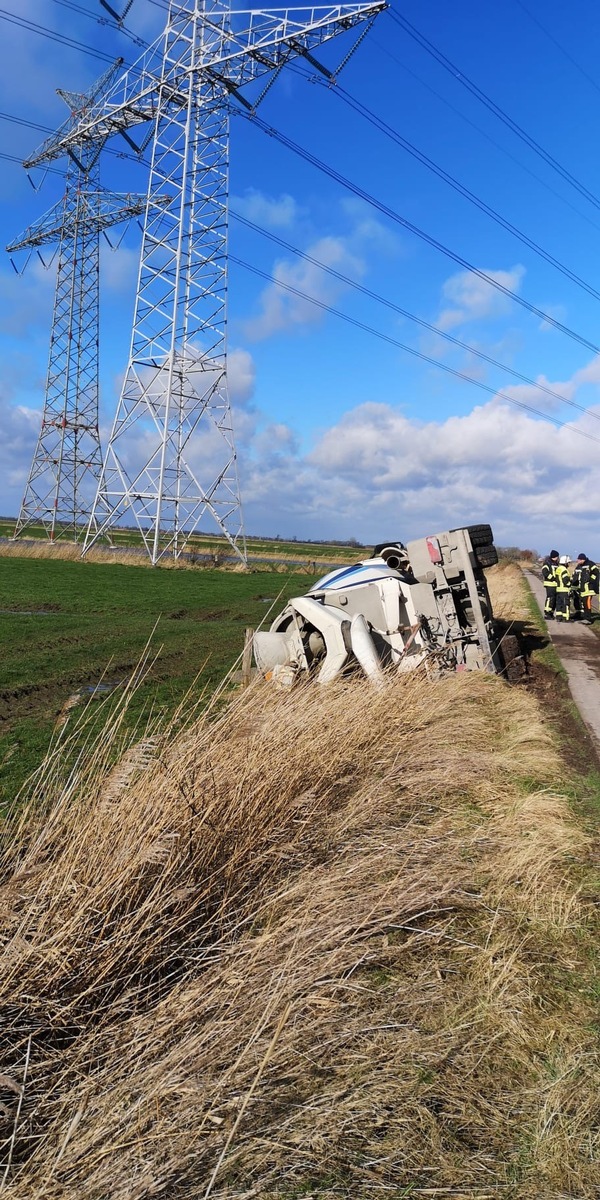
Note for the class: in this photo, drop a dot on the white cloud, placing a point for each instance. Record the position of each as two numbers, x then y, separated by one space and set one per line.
118 267
30 74
557 311
367 228
536 397
532 396
275 213
241 376
20 429
207 449
472 298
347 253
588 374
26 299
281 309
378 473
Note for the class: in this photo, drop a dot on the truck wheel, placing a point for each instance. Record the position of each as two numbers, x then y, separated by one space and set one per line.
486 556
480 535
511 653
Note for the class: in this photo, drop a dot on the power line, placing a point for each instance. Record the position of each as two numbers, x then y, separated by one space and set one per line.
379 123
359 287
559 46
78 8
494 108
63 39
435 362
13 158
23 121
532 174
85 12
391 213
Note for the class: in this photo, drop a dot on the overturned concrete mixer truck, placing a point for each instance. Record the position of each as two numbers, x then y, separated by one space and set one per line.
423 603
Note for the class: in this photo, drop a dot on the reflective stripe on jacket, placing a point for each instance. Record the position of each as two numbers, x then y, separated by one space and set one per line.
548 573
585 578
563 579
580 578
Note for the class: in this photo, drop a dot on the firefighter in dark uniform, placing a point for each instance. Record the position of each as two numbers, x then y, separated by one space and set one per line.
594 586
550 582
584 585
562 611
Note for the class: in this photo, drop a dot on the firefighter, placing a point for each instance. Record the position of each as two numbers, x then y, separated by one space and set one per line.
550 581
594 586
583 586
562 610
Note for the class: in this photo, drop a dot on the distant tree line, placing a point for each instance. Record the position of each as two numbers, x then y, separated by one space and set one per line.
515 554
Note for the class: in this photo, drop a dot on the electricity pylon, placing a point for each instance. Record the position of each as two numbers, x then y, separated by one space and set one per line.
67 461
171 457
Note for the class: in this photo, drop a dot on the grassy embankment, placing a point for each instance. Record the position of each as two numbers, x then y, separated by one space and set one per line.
336 943
90 622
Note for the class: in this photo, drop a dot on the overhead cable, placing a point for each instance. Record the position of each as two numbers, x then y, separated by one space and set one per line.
521 165
63 39
85 12
403 312
388 131
391 213
23 121
494 108
13 158
434 362
559 46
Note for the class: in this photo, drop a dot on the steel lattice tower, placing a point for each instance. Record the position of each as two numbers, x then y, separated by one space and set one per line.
67 462
171 457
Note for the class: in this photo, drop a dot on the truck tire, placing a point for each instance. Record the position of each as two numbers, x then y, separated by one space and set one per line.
480 535
486 556
513 659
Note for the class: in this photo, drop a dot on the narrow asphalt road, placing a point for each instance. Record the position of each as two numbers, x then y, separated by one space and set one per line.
579 651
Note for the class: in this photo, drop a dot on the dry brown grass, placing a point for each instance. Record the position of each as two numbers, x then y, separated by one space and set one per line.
321 944
508 592
71 552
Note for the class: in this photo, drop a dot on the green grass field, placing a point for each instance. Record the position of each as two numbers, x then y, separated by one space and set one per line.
63 625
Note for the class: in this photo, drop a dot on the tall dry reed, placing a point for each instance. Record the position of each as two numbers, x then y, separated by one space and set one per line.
71 552
322 943
508 592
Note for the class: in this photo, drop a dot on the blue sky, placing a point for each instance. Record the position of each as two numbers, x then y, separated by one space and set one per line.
339 433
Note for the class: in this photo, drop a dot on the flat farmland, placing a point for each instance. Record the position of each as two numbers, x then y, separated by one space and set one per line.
199 543
65 626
